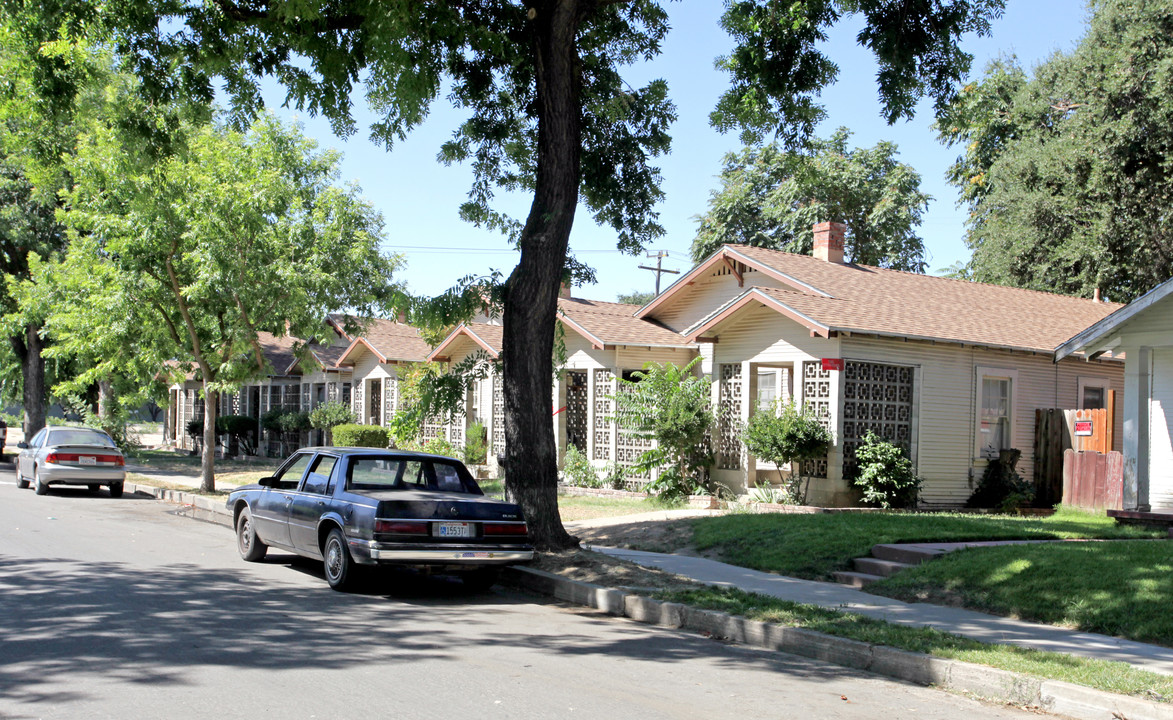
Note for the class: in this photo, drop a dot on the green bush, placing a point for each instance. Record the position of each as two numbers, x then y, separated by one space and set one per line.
476 445
330 415
1001 486
352 435
886 474
439 445
241 427
294 422
615 477
578 470
793 436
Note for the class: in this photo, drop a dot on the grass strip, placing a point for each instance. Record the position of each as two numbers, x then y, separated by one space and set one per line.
814 546
1123 589
1114 677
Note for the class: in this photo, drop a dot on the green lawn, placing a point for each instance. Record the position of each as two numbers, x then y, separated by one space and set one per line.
167 461
814 546
1123 589
1108 676
583 507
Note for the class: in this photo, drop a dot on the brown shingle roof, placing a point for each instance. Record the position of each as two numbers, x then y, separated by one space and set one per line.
872 300
616 324
392 341
483 335
278 351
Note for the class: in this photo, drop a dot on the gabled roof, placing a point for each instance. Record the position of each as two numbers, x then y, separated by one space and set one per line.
830 297
608 323
389 341
487 337
278 352
1095 337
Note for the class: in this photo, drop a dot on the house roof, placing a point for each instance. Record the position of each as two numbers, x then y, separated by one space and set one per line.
608 323
278 352
487 337
1098 336
831 297
389 341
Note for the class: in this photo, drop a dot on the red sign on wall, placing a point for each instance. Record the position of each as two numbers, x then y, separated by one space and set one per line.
832 363
1083 428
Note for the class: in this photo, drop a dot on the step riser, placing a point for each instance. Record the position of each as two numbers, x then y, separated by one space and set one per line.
855 579
876 566
904 555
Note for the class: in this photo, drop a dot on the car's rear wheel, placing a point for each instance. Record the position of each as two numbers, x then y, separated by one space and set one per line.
251 547
341 572
481 579
116 490
40 487
21 481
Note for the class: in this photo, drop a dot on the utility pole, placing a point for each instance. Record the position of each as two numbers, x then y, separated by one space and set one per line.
660 255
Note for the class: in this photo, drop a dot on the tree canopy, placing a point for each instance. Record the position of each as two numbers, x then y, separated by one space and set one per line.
771 197
548 112
1068 170
231 235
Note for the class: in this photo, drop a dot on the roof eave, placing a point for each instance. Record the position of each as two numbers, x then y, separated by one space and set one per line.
1097 333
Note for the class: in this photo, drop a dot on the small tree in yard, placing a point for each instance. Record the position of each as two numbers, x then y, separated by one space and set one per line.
328 416
886 474
792 436
669 404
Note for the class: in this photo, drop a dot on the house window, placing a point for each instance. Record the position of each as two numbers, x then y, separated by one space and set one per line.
1093 393
996 387
767 389
346 393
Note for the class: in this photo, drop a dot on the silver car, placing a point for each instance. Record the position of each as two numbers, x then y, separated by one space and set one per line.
71 456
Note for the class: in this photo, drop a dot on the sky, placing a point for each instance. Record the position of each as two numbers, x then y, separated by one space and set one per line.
419 197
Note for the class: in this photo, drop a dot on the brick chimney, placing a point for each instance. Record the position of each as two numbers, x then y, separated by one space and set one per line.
564 290
829 241
402 317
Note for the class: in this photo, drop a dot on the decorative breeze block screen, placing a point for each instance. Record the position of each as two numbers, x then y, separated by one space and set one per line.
498 416
816 397
728 415
604 391
876 397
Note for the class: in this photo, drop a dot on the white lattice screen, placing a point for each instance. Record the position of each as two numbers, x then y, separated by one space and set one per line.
876 397
604 390
729 393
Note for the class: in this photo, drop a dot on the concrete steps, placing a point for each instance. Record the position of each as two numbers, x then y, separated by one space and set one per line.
885 561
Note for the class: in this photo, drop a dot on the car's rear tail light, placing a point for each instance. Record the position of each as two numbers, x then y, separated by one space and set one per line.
401 527
516 529
56 458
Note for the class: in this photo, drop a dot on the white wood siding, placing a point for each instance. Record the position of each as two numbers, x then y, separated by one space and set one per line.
947 416
706 294
1161 430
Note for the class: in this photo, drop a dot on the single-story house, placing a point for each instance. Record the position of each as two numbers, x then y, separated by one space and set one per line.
1143 332
952 370
485 403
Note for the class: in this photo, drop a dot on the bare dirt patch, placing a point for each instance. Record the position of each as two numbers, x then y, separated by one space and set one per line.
593 567
665 536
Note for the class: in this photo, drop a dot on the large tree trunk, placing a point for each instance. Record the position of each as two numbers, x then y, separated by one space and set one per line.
531 293
29 349
105 400
208 457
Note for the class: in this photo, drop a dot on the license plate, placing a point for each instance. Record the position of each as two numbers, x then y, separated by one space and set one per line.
87 460
454 530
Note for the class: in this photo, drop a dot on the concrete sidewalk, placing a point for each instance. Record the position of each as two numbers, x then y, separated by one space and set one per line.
967 623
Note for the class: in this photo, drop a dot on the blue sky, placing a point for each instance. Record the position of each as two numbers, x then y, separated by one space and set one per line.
419 197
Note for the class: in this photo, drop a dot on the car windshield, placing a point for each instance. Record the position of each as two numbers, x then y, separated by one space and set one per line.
409 473
80 436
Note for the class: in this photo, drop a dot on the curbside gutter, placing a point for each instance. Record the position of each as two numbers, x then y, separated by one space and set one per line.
991 683
1053 696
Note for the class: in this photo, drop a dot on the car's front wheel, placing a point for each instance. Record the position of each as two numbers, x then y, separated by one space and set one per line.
341 572
40 487
251 547
94 488
21 481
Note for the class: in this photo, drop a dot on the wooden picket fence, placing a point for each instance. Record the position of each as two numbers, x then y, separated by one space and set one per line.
1055 430
1093 480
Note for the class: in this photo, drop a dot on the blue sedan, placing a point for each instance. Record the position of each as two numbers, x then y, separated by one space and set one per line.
356 507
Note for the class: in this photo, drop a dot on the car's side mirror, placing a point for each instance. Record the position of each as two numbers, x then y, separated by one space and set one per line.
268 482
22 445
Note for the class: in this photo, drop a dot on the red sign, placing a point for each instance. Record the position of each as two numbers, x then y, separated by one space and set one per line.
1083 428
832 363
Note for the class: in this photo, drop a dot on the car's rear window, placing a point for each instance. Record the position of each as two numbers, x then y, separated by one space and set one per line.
79 437
409 473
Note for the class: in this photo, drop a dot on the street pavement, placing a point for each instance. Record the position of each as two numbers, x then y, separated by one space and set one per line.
123 609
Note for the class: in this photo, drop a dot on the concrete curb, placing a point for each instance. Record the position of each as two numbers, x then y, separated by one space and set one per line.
1001 685
190 505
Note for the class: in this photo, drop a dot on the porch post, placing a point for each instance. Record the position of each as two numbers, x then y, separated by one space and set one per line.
749 396
1137 391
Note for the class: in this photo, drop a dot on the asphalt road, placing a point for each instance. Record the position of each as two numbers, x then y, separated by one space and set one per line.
120 609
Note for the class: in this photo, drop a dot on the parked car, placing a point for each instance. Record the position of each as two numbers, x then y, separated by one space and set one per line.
71 456
355 507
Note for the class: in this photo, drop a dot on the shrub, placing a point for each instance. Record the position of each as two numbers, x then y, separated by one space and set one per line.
271 420
793 436
352 435
615 477
1001 486
440 446
329 415
578 470
886 474
476 446
241 428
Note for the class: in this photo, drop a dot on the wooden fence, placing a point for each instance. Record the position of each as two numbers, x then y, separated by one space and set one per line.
1056 431
1093 480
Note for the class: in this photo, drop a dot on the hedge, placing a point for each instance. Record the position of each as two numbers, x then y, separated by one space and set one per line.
352 435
